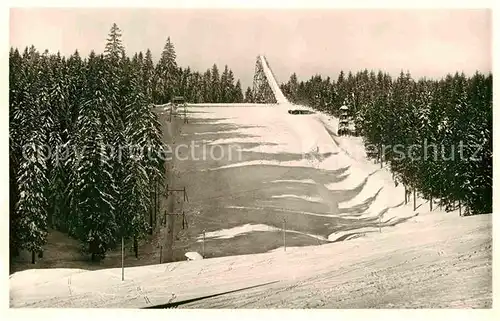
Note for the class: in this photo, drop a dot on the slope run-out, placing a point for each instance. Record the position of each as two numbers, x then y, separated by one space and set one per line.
408 266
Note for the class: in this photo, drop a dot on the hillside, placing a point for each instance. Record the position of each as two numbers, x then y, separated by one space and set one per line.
291 167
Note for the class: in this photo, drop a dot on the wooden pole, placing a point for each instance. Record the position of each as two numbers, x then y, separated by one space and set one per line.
170 228
203 245
169 221
123 255
284 234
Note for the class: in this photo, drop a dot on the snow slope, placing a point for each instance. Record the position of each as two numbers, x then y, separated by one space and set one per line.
404 266
311 136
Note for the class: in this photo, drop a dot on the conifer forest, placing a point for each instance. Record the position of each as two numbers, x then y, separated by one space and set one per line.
67 115
447 122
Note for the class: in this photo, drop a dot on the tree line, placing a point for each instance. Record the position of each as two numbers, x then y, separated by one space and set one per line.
434 135
168 80
85 144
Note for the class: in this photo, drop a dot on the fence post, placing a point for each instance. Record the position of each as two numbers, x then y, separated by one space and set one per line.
203 245
284 235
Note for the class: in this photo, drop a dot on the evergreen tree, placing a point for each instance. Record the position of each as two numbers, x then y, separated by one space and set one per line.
148 74
95 188
215 85
238 94
166 74
248 95
114 49
30 217
207 86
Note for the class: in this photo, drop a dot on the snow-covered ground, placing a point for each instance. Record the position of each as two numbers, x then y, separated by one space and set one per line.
434 260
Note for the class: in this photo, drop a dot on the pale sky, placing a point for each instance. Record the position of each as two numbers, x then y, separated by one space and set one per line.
428 43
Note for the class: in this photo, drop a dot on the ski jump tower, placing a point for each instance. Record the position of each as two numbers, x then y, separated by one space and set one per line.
265 86
344 120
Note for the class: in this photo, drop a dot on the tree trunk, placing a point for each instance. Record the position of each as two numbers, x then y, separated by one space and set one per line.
136 247
14 251
430 203
380 155
459 208
158 199
406 196
154 205
33 257
414 199
151 219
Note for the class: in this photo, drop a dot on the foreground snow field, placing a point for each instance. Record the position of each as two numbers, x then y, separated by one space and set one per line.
433 260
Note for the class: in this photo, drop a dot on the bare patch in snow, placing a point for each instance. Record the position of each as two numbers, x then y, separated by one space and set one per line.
248 228
302 197
302 181
218 132
238 230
